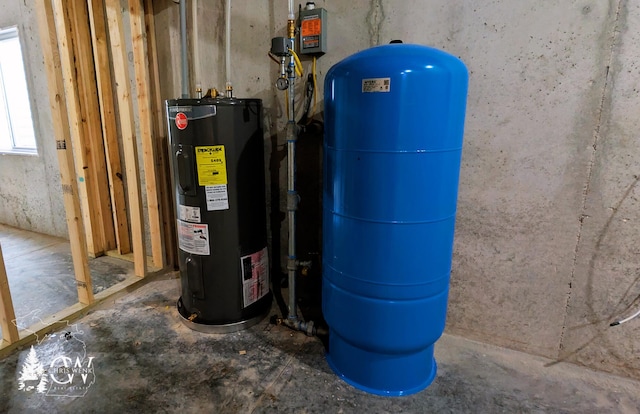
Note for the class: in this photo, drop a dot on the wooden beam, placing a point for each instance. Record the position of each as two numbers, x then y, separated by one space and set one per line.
81 144
160 134
127 129
91 123
75 225
160 126
141 69
109 127
7 314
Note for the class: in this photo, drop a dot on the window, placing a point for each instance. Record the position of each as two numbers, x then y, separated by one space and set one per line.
16 125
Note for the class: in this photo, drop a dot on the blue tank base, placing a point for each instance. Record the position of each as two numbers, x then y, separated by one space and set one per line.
388 375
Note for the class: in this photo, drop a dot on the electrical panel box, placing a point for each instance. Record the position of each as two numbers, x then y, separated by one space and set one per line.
313 35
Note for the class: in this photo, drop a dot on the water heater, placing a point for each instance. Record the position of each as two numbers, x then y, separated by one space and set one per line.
217 159
394 118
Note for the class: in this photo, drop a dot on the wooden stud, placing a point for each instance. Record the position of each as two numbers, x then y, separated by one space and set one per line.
81 144
91 123
109 128
141 69
127 128
154 72
7 314
160 133
75 225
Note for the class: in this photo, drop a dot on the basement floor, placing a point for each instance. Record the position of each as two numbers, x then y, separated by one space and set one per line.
132 354
143 359
41 277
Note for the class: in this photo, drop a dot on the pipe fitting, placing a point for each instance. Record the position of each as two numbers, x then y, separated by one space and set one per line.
293 199
308 328
291 28
292 264
305 263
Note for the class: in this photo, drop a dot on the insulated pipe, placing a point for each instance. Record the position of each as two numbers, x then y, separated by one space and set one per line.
229 87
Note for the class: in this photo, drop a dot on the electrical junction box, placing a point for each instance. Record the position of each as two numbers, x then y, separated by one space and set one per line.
313 35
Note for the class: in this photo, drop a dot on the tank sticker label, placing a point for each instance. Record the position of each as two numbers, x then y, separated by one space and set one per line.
212 165
181 120
217 197
255 276
376 85
189 213
193 238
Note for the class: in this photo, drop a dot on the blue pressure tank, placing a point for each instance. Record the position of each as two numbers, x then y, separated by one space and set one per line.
394 118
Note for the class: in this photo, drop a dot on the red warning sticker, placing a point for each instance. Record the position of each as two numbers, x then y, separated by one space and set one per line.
181 120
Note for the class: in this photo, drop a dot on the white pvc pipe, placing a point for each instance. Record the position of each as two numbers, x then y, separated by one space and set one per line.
292 14
228 43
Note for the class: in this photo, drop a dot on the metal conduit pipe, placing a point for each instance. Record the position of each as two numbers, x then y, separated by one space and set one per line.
228 85
292 194
284 48
183 51
196 49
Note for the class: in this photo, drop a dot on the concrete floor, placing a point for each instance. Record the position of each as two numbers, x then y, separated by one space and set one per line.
145 360
40 273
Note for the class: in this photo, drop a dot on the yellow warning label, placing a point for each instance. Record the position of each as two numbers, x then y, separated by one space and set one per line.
212 165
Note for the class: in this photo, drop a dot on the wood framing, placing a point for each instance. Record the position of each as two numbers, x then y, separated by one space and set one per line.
86 173
127 129
145 122
7 314
109 128
61 133
91 122
160 138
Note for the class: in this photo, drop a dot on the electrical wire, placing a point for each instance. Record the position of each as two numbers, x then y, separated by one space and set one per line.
273 57
620 322
315 89
298 65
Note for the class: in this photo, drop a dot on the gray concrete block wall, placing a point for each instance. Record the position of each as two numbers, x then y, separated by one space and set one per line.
30 191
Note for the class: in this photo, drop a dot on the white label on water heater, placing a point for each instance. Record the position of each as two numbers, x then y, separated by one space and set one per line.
189 213
217 197
376 85
255 276
193 238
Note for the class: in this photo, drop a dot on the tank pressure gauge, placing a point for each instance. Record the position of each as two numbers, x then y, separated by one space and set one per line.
282 83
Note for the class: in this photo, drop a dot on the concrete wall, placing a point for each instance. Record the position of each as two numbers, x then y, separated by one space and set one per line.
546 253
30 192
